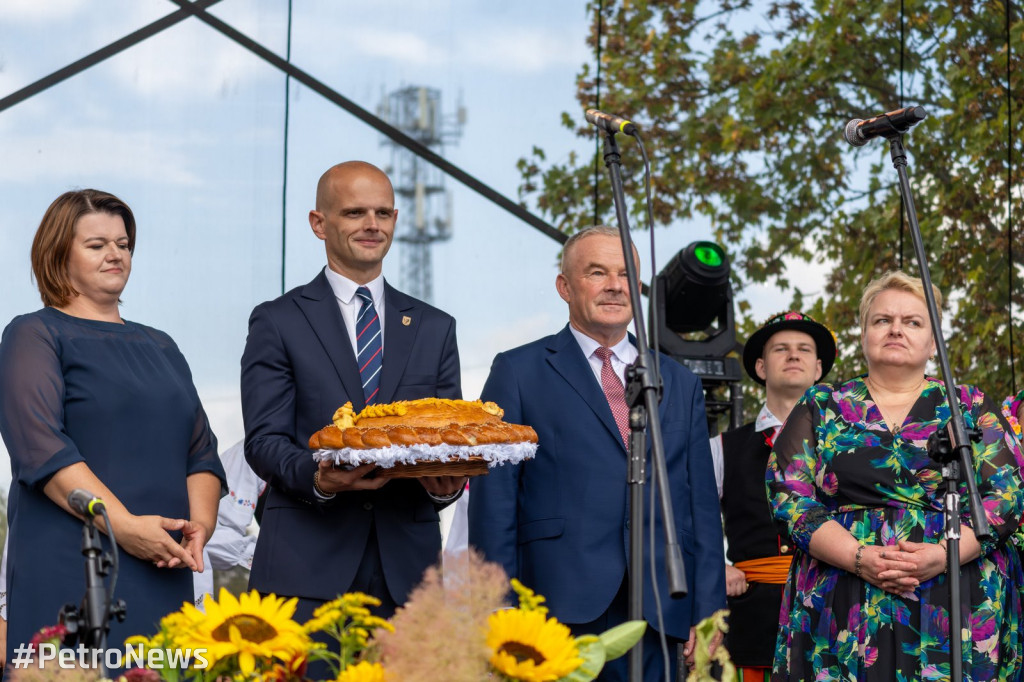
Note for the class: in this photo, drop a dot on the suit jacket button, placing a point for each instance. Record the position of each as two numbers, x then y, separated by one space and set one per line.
367 506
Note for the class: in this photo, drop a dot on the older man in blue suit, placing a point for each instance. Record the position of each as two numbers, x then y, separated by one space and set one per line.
345 336
559 523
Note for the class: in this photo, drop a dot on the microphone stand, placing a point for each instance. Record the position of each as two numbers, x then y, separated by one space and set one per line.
643 390
90 624
961 449
95 591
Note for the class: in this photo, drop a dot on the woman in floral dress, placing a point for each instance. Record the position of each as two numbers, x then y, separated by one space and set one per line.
867 597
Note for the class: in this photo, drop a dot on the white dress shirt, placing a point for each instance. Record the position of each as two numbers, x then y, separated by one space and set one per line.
345 292
623 353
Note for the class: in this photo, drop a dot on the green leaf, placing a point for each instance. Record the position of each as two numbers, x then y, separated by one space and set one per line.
621 638
592 652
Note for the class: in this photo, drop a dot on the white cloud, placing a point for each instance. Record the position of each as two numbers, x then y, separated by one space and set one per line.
34 11
504 49
396 46
188 63
12 78
96 151
522 49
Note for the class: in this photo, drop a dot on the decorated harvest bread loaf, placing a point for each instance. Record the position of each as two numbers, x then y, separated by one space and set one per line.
430 421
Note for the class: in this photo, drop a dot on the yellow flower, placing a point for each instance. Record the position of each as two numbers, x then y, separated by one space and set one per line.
527 646
349 612
325 615
249 627
528 599
362 672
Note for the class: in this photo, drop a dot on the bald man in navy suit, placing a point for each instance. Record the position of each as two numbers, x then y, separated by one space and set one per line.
326 530
559 522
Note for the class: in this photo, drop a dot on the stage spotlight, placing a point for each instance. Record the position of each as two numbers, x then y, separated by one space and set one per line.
696 287
696 323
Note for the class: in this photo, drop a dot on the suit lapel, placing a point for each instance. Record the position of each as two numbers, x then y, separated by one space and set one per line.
401 320
320 308
568 360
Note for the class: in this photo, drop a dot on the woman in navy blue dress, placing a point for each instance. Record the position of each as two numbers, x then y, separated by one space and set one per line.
89 400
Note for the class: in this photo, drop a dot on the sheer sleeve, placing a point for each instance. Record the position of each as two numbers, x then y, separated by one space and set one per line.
792 470
32 402
996 459
202 453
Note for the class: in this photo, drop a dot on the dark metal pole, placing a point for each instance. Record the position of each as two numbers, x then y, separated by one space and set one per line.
642 394
97 602
961 441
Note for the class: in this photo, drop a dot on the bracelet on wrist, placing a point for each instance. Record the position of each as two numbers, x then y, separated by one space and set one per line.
320 491
856 560
945 563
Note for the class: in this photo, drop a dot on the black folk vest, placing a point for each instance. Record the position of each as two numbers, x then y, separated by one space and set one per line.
751 534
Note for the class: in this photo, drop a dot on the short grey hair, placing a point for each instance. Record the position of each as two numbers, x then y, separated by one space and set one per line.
576 237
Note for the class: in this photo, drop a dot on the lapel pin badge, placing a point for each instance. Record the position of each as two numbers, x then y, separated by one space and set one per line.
406 320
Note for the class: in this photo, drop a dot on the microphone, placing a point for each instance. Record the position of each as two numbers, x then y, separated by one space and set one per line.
85 503
859 131
610 124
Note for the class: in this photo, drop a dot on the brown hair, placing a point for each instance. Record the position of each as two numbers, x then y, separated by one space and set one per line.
901 281
53 239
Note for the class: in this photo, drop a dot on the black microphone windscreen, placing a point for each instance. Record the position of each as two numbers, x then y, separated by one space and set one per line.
81 501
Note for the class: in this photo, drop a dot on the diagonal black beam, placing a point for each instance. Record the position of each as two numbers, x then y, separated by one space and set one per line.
99 55
197 10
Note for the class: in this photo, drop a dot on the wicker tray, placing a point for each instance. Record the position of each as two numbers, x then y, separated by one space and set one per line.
474 467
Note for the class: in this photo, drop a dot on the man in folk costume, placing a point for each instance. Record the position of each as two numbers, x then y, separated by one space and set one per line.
787 355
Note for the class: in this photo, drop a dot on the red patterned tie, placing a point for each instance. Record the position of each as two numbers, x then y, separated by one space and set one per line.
614 393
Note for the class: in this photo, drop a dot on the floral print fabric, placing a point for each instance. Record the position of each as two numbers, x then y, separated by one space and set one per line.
1011 406
835 459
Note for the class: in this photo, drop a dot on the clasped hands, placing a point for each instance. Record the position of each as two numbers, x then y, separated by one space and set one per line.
901 568
149 538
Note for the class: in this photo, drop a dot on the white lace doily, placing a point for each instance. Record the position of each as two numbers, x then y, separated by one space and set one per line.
494 454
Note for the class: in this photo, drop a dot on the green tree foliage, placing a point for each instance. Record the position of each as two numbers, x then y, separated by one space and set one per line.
742 105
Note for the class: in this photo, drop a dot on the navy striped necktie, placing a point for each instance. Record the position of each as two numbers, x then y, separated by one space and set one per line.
369 350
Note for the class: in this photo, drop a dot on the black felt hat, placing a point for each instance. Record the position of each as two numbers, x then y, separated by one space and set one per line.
824 340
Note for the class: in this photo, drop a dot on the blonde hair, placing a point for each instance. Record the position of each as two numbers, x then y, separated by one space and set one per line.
900 281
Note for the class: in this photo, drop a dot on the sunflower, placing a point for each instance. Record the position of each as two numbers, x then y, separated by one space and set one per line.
248 627
362 672
530 647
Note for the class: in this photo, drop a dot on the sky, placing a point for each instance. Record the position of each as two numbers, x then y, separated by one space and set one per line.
188 128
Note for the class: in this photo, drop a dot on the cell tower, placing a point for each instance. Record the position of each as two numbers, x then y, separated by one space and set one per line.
423 203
